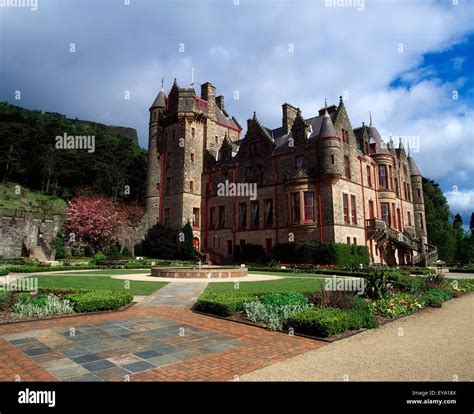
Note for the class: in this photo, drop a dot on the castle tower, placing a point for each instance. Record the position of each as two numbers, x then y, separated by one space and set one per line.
155 142
330 152
418 200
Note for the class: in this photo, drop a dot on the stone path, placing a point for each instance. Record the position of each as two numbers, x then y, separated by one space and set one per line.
176 294
159 339
432 345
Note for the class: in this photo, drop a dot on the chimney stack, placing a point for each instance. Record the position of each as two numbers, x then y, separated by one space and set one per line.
208 93
289 115
220 102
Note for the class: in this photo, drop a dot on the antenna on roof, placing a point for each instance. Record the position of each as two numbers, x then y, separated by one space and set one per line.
192 76
162 82
370 116
325 103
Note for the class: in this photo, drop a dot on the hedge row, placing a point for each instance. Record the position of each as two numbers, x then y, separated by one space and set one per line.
99 300
221 304
339 254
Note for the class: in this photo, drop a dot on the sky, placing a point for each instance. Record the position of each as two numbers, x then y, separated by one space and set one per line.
409 62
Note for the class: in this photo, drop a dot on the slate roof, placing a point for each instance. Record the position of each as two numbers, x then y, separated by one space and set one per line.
224 118
413 167
160 100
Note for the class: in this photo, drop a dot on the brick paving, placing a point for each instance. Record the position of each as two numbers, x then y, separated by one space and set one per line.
158 340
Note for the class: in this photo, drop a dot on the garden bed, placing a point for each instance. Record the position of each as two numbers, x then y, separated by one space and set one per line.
333 315
46 304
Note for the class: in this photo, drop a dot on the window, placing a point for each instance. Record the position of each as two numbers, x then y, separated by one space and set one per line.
348 240
369 177
168 185
255 213
390 177
191 186
383 176
345 135
385 209
212 217
405 192
268 207
167 216
308 206
409 217
192 157
216 139
154 115
299 161
347 167
195 217
399 220
332 159
371 209
396 187
193 132
295 208
221 216
248 173
408 192
260 174
158 186
394 217
420 221
168 160
268 246
217 242
353 209
345 207
355 241
242 215
229 247
418 193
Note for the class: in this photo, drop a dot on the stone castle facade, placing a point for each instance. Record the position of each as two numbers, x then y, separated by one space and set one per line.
317 179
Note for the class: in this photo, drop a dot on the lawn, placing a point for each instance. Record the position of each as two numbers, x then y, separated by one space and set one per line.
291 284
98 282
107 272
292 274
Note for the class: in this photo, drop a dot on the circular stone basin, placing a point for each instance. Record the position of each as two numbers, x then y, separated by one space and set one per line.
202 272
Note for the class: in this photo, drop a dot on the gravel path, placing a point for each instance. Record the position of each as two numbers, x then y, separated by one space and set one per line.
435 345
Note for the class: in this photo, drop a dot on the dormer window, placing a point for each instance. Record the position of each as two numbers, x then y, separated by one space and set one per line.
299 161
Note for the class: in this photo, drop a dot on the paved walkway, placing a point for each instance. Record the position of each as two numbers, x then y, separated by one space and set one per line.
432 345
158 339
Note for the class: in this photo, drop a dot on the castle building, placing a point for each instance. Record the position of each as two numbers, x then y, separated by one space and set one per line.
314 179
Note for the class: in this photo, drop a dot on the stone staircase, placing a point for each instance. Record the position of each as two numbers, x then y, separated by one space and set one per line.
386 237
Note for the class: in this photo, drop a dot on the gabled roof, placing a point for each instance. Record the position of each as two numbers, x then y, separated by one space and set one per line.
224 119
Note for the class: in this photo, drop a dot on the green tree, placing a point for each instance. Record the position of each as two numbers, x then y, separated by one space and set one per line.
159 243
186 246
59 245
440 230
471 225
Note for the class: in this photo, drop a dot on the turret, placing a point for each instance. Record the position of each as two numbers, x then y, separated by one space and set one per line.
418 200
331 160
153 184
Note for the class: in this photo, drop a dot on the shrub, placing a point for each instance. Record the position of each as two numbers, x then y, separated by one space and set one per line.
341 299
160 243
126 252
254 253
59 245
99 300
409 284
433 301
378 284
186 245
433 281
273 309
5 298
362 315
321 322
41 306
221 304
396 304
435 297
3 271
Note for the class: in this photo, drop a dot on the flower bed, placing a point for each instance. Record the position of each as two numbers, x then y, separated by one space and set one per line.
47 303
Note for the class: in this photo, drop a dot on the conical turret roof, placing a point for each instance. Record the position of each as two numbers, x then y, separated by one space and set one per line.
327 127
413 167
160 101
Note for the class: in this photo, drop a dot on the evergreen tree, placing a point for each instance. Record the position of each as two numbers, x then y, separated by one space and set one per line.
471 225
59 245
440 230
159 243
187 251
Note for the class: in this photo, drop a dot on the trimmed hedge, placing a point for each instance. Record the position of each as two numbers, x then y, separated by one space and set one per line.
37 269
221 304
3 272
324 322
99 300
339 254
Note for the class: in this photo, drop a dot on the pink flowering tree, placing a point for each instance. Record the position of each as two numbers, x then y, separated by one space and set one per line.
95 220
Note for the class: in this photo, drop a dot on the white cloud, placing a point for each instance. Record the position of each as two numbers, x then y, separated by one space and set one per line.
461 200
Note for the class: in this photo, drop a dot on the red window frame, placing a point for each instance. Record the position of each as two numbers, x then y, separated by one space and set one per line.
345 208
369 176
383 176
347 167
295 208
353 209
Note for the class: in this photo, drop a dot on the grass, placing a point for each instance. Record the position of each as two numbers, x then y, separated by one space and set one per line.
99 282
286 285
108 272
291 274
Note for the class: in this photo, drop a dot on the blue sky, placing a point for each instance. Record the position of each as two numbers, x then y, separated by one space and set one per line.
403 60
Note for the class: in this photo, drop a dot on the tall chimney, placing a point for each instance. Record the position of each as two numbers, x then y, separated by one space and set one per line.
208 93
220 102
289 115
